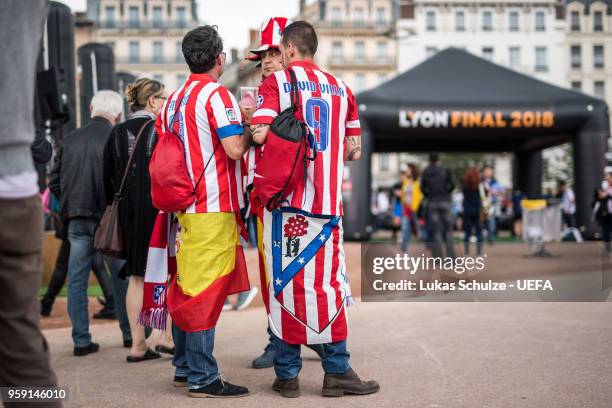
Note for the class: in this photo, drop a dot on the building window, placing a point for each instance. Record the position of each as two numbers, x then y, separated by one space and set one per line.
598 21
360 82
576 56
134 50
383 161
381 17
430 51
577 86
180 79
540 21
487 53
598 56
487 21
110 17
181 20
337 52
541 57
179 52
599 89
157 17
431 21
360 52
358 17
513 21
381 51
336 16
157 52
575 21
514 56
460 21
134 17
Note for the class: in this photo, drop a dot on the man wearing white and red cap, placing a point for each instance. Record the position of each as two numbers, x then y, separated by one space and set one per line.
268 57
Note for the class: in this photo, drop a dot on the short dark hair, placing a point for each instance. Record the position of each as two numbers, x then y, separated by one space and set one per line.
201 47
303 37
434 157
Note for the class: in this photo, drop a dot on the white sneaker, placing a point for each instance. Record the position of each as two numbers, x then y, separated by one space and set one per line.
244 302
227 305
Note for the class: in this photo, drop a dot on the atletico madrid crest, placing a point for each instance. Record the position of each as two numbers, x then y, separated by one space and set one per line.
307 289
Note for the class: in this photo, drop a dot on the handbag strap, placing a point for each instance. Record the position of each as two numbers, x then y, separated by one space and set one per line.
131 158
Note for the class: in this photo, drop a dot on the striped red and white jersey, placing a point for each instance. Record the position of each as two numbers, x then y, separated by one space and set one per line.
206 112
329 109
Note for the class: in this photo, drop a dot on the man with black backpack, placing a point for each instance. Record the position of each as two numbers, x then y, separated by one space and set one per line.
309 123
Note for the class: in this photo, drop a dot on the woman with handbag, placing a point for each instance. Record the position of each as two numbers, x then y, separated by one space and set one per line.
132 143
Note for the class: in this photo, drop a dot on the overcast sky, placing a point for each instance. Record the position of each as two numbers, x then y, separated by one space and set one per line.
233 17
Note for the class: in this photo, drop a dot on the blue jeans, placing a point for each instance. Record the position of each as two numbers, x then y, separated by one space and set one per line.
491 227
406 226
288 363
80 260
193 357
80 234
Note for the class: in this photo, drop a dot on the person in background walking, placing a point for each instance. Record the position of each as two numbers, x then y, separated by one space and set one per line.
602 208
76 180
568 203
491 202
437 185
136 211
472 209
410 198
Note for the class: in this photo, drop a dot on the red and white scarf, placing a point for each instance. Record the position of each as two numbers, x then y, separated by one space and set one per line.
161 265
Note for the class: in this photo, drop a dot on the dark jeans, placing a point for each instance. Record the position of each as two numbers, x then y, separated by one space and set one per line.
606 228
24 355
568 219
193 357
471 223
288 362
61 270
441 227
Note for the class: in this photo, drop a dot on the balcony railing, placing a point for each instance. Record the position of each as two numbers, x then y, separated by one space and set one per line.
355 25
363 62
147 25
149 60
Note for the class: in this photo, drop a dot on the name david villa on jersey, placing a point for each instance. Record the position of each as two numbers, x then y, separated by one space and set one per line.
520 284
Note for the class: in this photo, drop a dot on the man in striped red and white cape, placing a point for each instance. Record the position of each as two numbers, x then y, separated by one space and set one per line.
303 241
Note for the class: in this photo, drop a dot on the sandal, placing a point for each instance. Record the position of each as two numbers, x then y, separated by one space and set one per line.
148 355
164 349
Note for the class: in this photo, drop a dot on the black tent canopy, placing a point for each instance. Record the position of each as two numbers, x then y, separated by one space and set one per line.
458 102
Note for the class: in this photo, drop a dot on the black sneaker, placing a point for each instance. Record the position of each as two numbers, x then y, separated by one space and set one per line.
106 313
83 351
180 381
219 389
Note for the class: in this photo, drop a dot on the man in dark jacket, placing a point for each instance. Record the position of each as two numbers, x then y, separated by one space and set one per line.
437 185
77 180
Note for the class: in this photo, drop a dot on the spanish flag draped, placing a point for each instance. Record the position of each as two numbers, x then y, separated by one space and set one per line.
210 266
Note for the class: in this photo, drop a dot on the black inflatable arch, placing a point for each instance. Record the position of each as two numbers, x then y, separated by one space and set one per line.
457 102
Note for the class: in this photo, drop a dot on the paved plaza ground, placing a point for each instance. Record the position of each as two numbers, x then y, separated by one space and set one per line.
424 354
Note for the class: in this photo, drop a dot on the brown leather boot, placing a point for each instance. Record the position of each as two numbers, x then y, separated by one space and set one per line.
287 388
336 385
